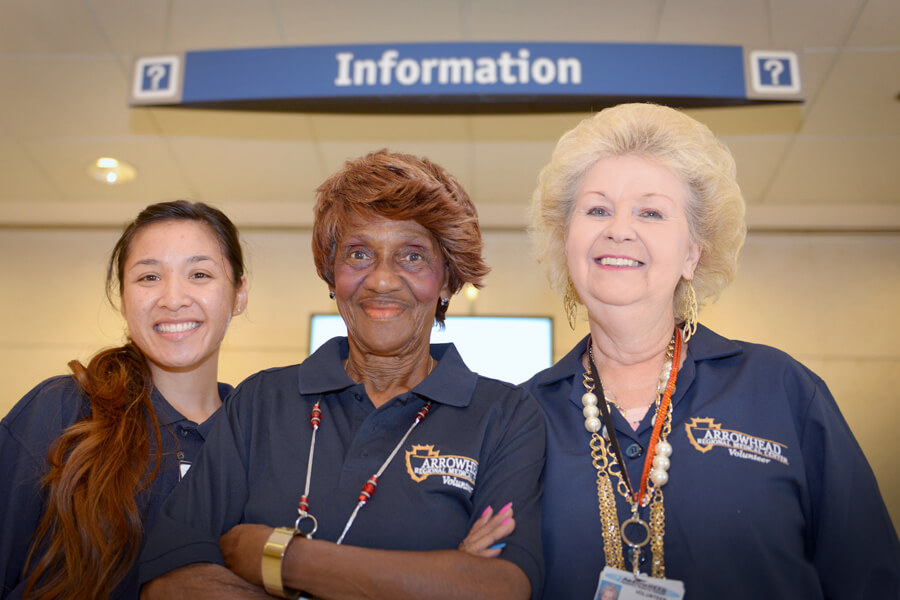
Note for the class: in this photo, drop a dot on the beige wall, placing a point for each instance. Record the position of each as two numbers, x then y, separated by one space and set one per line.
828 299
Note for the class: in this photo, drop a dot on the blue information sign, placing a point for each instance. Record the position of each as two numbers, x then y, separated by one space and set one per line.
491 76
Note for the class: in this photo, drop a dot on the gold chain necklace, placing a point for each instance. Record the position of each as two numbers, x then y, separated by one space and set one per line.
635 415
655 474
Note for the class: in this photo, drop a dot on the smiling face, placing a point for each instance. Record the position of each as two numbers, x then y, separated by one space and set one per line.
178 295
628 242
388 277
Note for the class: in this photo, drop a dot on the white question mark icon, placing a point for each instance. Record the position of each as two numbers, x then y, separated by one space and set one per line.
157 72
775 68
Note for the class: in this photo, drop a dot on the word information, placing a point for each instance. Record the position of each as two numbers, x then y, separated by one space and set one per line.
505 69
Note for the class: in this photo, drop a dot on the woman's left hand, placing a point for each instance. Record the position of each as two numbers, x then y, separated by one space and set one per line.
242 548
487 531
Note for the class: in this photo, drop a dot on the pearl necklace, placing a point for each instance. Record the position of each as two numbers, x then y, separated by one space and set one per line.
655 471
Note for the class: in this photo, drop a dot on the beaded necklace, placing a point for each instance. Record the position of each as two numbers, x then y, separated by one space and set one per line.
368 489
654 477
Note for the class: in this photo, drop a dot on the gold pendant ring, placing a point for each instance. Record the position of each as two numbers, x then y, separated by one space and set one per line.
635 521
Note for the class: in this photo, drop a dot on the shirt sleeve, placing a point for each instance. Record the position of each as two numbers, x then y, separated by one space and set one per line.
20 507
26 434
205 505
512 474
855 547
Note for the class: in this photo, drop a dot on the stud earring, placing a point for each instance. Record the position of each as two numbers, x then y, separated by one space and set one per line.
445 302
331 294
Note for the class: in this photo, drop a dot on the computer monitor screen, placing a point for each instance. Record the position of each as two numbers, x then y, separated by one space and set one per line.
508 348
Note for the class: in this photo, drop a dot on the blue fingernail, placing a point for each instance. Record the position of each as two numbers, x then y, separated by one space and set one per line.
499 546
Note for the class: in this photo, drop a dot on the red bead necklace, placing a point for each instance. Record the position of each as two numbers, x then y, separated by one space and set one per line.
368 489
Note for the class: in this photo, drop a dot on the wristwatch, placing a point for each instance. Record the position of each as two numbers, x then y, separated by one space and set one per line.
272 559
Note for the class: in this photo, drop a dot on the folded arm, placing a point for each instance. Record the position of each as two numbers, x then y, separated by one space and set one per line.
325 570
201 580
351 572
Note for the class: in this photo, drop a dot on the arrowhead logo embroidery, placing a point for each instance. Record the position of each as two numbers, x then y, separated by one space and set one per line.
423 461
704 434
700 424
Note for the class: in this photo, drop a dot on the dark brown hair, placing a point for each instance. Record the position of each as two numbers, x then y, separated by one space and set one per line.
91 530
404 188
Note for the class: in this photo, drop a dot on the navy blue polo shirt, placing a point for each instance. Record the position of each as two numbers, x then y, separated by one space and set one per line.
769 494
26 434
482 444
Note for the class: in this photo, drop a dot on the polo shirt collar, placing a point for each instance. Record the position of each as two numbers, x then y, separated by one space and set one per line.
451 382
704 345
708 345
167 415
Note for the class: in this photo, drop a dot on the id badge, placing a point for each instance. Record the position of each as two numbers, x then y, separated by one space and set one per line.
616 584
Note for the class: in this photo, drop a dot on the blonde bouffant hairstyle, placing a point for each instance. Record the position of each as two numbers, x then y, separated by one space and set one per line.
715 206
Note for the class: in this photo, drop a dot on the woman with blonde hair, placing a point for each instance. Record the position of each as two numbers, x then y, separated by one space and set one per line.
717 467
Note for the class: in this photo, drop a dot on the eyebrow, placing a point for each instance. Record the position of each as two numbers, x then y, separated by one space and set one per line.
152 262
357 239
646 196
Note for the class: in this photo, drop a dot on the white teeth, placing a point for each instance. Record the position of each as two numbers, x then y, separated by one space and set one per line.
618 262
177 327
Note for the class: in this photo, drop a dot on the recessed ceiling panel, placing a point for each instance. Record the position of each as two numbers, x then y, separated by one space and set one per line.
49 27
359 22
241 170
133 26
21 177
564 20
878 25
860 96
212 24
813 23
63 96
715 22
838 170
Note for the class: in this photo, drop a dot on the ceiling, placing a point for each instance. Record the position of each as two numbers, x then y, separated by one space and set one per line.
65 70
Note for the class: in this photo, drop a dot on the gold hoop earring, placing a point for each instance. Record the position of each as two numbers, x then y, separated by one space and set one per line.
570 302
692 311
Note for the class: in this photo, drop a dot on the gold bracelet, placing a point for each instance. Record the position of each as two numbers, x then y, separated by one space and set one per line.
272 559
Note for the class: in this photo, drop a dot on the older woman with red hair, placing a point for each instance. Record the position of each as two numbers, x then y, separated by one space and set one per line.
306 447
